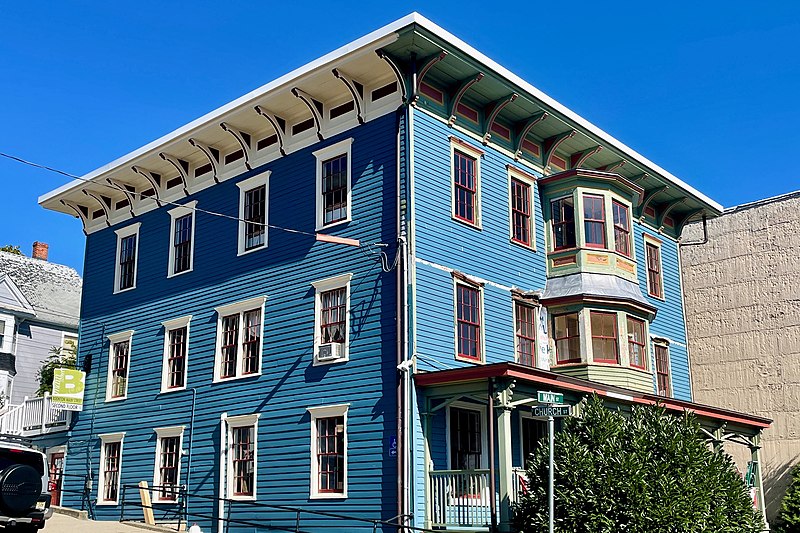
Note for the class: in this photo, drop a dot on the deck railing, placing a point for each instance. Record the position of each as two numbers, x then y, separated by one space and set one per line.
34 416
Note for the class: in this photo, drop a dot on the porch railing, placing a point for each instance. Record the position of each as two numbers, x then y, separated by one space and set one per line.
34 416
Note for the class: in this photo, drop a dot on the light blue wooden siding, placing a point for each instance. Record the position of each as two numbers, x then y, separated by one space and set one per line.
669 320
485 253
289 384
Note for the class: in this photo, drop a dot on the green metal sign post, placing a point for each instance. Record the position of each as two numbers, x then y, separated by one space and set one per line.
551 412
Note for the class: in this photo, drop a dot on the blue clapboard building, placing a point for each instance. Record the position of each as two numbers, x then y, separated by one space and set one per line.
343 291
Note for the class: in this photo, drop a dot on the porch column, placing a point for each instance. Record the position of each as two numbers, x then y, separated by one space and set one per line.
505 473
755 458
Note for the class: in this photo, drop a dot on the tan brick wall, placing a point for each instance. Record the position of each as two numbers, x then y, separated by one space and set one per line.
742 297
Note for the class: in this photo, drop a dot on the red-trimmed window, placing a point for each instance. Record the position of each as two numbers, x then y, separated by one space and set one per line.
229 345
521 198
568 338
168 468
468 322
654 279
465 183
119 370
111 464
594 222
604 337
637 344
243 459
176 360
333 319
330 454
622 229
251 341
526 333
563 213
662 369
334 189
465 439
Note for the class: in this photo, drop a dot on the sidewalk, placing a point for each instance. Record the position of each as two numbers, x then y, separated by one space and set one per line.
60 523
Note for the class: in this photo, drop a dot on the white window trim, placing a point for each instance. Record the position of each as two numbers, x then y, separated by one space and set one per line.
8 345
127 231
231 309
484 429
324 285
479 287
530 180
344 147
169 325
236 422
457 145
245 186
326 411
175 213
173 431
648 239
109 438
113 339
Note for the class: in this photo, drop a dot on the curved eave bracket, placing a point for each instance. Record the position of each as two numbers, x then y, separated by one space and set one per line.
462 89
551 143
423 67
648 198
311 104
244 143
100 201
209 155
179 166
493 110
685 220
77 208
152 178
121 186
358 98
667 210
524 129
276 123
611 167
577 159
397 73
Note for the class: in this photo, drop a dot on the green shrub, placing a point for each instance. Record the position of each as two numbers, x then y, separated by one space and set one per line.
789 516
643 471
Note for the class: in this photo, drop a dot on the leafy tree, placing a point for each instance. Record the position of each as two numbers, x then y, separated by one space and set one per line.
10 248
789 516
639 472
57 358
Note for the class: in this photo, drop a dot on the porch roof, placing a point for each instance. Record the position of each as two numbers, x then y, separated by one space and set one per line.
567 383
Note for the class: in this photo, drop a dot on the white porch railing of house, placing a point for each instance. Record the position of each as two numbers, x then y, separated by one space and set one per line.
460 498
34 416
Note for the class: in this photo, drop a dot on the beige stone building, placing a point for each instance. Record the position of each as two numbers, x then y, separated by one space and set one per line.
742 292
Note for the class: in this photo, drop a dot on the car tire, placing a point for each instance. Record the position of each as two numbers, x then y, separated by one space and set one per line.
20 487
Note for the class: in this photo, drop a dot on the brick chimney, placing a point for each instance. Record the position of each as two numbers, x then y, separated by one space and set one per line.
40 250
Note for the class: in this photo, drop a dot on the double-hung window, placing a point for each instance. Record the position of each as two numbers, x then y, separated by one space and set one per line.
655 280
469 322
465 185
118 365
110 468
604 337
622 229
334 184
176 353
242 456
329 451
594 221
331 319
181 249
563 215
568 338
127 256
525 318
637 343
167 473
662 369
239 339
521 197
253 212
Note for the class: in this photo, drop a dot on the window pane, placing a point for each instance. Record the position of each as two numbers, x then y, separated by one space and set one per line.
255 217
229 345
637 346
594 221
526 334
464 182
654 287
621 229
182 244
465 439
243 460
119 370
521 211
251 341
334 189
330 454
168 468
468 320
176 362
662 369
567 337
111 466
604 336
333 319
127 264
563 214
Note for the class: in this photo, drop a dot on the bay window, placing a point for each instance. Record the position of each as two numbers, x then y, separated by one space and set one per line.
568 338
563 214
594 221
604 337
622 229
637 344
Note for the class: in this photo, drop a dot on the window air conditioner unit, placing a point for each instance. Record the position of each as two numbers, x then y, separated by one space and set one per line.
331 351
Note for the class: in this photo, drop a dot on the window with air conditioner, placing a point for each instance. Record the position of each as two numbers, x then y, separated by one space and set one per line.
332 319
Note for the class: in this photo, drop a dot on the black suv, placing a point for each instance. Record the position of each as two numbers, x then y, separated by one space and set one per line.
24 483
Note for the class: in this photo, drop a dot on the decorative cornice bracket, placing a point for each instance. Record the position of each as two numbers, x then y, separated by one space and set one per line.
244 143
577 159
358 98
277 123
525 129
121 186
460 91
551 143
76 207
311 104
153 179
424 66
397 73
493 111
209 153
102 203
180 167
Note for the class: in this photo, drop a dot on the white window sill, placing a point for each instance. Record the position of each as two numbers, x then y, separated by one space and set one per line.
172 274
119 291
174 389
106 503
243 498
317 362
473 361
250 251
236 378
118 399
334 224
328 496
473 225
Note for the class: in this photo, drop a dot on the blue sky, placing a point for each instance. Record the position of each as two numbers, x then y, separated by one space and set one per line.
708 90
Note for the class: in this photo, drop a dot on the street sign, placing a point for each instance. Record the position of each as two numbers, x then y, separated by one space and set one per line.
550 397
557 411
